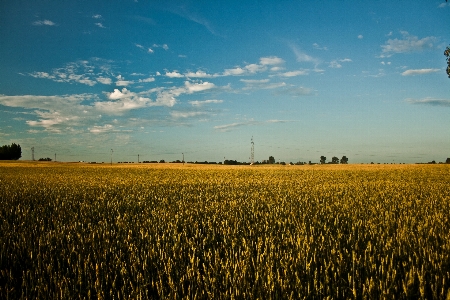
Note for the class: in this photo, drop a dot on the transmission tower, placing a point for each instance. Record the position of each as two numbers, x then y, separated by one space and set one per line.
32 153
252 153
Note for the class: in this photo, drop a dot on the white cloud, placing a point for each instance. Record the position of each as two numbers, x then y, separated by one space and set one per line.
164 46
302 56
430 101
44 22
316 46
271 60
228 127
261 84
119 94
104 80
102 129
124 82
334 64
78 72
97 16
409 43
254 81
204 102
41 75
174 74
139 46
150 50
198 87
234 72
190 114
100 25
419 72
150 79
199 74
294 91
123 101
294 73
54 112
360 36
255 68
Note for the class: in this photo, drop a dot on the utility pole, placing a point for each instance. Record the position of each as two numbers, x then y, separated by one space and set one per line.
111 155
138 158
183 158
32 153
55 157
252 152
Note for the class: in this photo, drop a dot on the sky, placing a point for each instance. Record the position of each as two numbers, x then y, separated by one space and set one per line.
151 80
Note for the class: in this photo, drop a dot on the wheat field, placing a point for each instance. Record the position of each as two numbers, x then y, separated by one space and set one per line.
173 231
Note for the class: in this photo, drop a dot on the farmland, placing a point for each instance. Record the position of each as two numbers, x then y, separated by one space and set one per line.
169 231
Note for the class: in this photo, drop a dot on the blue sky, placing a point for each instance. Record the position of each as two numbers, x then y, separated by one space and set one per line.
365 79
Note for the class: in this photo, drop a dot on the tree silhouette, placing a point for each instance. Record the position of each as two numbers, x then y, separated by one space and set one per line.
447 54
344 160
13 152
322 159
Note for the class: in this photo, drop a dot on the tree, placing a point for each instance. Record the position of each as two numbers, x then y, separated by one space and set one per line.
45 159
448 160
335 160
447 54
344 160
13 152
322 159
271 160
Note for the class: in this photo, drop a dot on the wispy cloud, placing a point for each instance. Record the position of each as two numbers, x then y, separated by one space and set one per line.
44 22
295 73
429 101
264 84
186 114
408 43
198 87
82 71
337 62
122 82
174 74
199 103
271 60
104 80
316 46
294 91
229 127
101 129
302 56
413 72
100 25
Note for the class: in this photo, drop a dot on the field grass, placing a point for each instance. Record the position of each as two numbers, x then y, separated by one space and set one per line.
168 231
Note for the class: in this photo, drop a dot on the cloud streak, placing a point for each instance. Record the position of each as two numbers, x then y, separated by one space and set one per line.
413 72
429 101
408 43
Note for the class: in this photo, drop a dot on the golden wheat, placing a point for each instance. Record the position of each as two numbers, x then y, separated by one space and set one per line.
174 232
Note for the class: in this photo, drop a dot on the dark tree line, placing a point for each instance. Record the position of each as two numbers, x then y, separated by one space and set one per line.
13 152
447 54
334 160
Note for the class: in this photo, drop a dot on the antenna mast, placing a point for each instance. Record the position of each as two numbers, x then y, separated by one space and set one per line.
252 153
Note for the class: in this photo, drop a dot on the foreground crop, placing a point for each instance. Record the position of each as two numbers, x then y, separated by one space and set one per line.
220 233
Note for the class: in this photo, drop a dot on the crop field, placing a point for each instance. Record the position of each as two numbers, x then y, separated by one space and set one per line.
168 231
